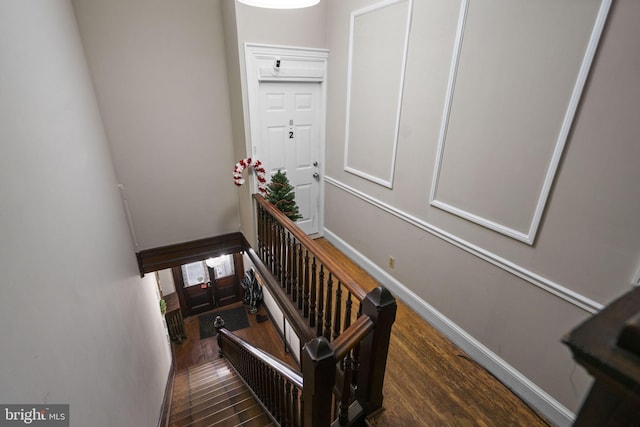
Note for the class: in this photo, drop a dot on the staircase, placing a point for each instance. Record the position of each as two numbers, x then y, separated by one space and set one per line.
212 394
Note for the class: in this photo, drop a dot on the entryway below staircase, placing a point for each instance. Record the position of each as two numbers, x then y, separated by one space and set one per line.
207 391
194 351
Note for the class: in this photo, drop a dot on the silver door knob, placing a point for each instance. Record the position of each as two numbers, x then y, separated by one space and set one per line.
315 164
316 175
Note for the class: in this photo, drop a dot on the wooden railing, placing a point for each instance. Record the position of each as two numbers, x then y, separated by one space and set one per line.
276 385
346 329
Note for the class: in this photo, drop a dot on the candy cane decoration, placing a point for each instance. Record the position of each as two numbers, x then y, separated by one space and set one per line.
257 167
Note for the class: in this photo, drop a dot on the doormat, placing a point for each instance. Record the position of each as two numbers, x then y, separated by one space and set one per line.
234 319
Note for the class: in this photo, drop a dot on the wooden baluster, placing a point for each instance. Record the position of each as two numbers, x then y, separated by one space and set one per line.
265 386
283 257
300 275
265 236
276 402
272 392
259 385
289 266
338 312
269 226
274 232
355 366
263 233
287 403
296 419
259 229
277 251
304 302
282 412
313 294
345 401
320 304
347 311
328 309
294 270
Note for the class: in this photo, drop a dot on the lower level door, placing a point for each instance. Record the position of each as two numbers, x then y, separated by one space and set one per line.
193 288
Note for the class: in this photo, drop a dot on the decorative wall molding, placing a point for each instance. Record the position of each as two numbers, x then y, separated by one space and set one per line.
386 181
541 282
507 374
529 235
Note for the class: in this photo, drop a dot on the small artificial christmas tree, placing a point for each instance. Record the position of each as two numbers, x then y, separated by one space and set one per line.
282 196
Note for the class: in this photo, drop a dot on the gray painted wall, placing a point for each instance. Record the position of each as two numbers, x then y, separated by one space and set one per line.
514 299
160 74
78 324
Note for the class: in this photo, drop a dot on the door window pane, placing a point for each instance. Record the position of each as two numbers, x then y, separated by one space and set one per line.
195 273
222 266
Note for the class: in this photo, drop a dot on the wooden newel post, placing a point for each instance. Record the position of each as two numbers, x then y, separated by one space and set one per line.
218 323
319 373
381 307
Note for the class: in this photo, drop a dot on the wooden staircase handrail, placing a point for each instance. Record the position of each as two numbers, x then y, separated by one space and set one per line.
352 336
345 330
287 372
321 254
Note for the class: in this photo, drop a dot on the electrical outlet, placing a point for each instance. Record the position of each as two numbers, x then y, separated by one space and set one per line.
392 262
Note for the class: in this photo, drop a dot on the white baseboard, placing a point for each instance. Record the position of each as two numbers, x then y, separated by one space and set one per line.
537 398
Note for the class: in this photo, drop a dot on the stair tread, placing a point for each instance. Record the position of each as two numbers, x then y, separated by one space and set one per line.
212 394
231 418
221 401
194 391
216 416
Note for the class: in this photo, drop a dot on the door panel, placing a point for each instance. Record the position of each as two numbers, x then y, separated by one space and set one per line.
290 141
194 299
199 298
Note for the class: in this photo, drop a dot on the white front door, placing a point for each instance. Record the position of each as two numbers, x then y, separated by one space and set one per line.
289 140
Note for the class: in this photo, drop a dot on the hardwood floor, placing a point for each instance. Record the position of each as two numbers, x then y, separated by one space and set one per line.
194 351
430 382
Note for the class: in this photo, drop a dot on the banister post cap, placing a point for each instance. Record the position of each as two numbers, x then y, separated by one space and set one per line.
319 349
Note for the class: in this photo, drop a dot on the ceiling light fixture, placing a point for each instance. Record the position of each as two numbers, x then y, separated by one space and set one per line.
280 4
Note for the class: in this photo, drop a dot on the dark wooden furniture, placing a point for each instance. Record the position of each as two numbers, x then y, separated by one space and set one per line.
173 316
608 346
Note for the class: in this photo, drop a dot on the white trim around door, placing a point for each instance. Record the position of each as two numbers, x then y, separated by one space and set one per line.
287 64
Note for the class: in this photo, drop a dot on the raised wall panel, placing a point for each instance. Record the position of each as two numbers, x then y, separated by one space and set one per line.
516 78
377 55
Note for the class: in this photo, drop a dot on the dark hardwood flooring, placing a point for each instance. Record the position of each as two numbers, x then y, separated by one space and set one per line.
194 351
431 382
